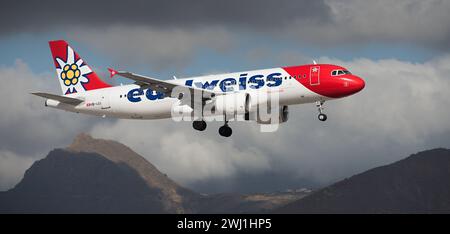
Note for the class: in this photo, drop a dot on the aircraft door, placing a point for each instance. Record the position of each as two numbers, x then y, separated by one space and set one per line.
314 75
105 101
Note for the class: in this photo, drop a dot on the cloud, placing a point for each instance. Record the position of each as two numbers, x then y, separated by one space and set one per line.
155 47
316 23
183 154
27 127
401 21
12 169
54 15
408 97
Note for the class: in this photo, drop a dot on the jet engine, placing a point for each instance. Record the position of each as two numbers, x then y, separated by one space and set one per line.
232 104
267 118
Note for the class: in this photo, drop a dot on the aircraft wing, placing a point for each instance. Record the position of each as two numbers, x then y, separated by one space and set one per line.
62 99
162 86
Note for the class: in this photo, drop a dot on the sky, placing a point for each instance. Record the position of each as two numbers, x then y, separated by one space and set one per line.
401 48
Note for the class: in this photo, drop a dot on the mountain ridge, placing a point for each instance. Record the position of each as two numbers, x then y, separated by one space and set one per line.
55 185
419 183
104 176
120 153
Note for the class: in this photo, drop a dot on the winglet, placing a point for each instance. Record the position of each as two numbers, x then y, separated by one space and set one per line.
112 72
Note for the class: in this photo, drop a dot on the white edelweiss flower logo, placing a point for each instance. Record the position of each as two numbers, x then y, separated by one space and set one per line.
73 73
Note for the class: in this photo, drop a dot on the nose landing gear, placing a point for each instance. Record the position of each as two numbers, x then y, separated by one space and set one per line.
321 116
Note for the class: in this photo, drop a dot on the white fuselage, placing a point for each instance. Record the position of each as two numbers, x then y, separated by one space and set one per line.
131 102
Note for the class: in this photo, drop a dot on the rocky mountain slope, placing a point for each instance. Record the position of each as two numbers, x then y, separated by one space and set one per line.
417 184
175 199
69 182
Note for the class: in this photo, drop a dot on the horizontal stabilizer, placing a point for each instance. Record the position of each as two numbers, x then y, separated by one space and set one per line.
62 99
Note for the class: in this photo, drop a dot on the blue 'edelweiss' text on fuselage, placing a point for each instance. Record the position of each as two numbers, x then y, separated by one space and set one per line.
226 85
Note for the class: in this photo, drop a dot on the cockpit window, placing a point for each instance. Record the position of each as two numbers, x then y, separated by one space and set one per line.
340 72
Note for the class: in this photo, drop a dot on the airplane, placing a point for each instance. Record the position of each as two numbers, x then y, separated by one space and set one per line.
228 95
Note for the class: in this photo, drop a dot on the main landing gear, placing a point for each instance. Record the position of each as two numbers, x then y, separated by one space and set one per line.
199 125
321 116
225 130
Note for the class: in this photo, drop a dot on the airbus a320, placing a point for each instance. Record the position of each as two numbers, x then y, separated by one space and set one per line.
227 95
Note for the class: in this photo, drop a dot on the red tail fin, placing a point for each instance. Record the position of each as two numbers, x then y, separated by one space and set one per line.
73 73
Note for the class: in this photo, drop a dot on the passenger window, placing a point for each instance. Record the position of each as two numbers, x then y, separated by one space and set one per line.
341 72
334 73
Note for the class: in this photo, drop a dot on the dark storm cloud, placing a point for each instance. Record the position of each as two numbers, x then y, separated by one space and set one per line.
406 22
21 16
324 22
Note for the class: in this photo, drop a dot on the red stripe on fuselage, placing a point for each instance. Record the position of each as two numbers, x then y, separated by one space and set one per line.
327 85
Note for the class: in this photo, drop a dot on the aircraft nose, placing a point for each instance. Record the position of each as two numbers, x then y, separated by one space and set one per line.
352 85
357 84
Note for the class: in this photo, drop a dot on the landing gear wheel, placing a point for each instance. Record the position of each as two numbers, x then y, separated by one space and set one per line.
199 125
225 131
322 117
